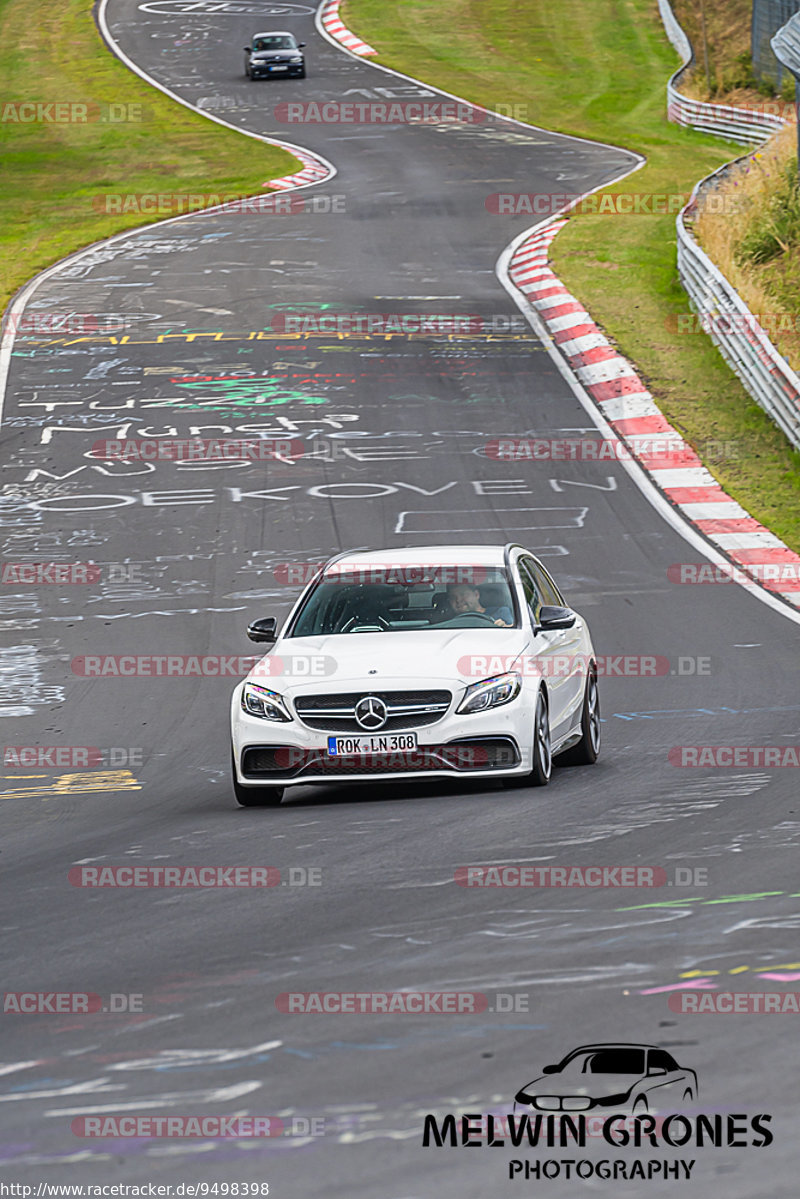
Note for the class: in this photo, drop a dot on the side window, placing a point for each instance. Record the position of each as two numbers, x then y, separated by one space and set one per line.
532 598
658 1059
547 588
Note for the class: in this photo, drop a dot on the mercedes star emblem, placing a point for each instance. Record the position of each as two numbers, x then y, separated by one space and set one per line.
370 712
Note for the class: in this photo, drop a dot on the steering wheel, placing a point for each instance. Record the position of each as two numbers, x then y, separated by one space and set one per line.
456 621
380 621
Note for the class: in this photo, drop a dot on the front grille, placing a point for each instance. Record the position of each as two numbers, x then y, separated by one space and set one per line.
333 713
460 757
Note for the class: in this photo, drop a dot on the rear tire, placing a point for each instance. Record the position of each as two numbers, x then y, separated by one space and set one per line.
255 797
586 751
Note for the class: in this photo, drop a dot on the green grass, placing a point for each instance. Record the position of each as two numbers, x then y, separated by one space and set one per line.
598 68
52 171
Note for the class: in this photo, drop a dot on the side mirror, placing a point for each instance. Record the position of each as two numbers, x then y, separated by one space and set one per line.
263 630
247 49
553 617
656 1070
300 45
550 1070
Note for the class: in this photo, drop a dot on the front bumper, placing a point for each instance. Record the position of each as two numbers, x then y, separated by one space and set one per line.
257 71
483 745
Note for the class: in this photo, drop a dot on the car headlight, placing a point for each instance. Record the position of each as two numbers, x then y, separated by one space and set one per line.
491 693
297 58
269 705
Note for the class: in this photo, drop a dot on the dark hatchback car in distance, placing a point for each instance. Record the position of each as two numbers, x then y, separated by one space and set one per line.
275 53
639 1077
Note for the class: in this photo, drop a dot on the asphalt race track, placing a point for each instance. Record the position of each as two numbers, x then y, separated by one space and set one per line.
190 554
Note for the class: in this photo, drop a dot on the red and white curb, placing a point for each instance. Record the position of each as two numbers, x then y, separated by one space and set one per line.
333 24
315 170
629 408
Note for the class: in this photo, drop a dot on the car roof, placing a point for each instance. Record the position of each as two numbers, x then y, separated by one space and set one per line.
274 33
609 1045
427 555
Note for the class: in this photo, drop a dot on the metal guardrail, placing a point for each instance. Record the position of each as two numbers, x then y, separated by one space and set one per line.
735 331
722 312
747 126
786 45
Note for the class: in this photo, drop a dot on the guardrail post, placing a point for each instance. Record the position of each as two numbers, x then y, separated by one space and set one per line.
786 48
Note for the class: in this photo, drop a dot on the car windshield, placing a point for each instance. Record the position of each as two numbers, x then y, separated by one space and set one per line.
279 42
367 600
611 1061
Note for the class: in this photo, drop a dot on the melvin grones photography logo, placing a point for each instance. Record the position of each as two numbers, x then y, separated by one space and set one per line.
632 1108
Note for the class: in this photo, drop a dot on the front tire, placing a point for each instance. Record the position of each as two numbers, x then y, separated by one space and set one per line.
255 797
542 767
586 751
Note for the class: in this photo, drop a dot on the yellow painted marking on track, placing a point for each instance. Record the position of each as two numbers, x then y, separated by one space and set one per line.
77 784
263 335
697 973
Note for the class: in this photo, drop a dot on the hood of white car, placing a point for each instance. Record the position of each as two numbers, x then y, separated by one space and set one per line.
373 661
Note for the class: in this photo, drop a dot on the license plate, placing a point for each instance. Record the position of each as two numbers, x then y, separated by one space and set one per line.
279 68
375 744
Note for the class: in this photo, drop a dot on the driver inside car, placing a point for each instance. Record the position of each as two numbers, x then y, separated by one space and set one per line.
465 598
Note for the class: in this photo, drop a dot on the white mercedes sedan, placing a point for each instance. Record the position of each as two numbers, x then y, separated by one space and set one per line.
425 662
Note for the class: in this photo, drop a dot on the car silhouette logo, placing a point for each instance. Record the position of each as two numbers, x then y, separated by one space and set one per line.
612 1075
371 713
